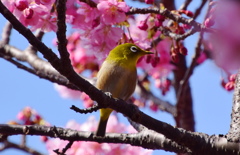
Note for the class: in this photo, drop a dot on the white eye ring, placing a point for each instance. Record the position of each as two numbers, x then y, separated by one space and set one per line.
133 49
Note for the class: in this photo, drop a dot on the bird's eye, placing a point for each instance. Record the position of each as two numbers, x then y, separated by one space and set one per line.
133 49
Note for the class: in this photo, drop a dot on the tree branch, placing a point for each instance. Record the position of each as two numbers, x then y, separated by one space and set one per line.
185 5
234 131
153 140
162 105
199 9
61 33
199 27
175 36
6 33
95 107
10 145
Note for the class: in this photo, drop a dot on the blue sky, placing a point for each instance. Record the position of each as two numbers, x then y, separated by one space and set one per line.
212 104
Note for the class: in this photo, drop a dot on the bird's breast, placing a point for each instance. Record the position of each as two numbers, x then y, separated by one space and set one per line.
120 81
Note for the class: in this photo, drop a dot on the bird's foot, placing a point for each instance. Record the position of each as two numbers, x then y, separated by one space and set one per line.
108 94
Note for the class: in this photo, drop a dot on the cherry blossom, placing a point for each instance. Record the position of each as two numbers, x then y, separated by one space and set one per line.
113 11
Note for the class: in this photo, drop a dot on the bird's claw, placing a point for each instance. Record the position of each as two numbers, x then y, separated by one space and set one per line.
108 94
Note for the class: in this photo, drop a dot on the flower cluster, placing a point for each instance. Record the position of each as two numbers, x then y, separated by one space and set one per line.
34 13
92 148
224 46
29 116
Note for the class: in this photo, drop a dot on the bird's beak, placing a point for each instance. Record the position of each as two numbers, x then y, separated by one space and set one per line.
147 52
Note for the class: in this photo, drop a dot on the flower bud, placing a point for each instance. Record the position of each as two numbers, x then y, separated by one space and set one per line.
186 12
153 106
143 25
186 26
44 138
209 22
232 78
21 4
148 59
175 58
149 1
160 17
158 23
229 86
183 50
28 13
155 61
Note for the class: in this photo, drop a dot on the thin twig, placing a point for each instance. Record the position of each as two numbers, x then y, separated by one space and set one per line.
6 33
39 35
90 3
199 27
95 107
175 36
162 105
185 5
198 11
68 146
193 64
11 145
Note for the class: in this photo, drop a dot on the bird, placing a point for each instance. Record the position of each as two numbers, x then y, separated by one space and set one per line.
118 76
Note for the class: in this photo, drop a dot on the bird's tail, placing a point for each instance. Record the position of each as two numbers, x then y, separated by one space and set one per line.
104 115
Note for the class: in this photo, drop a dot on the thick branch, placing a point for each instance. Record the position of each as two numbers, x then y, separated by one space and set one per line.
149 140
234 132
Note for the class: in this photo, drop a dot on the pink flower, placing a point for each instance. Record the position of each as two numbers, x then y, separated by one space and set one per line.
209 22
113 11
87 101
66 92
143 25
149 1
83 17
229 86
44 2
201 58
225 43
153 106
21 4
10 4
101 40
34 13
81 56
47 23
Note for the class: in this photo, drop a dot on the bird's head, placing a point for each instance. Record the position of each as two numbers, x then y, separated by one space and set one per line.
127 52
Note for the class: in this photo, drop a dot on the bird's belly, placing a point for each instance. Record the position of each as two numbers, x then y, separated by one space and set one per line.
120 82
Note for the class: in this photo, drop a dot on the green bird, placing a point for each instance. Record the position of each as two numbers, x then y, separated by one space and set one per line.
118 76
